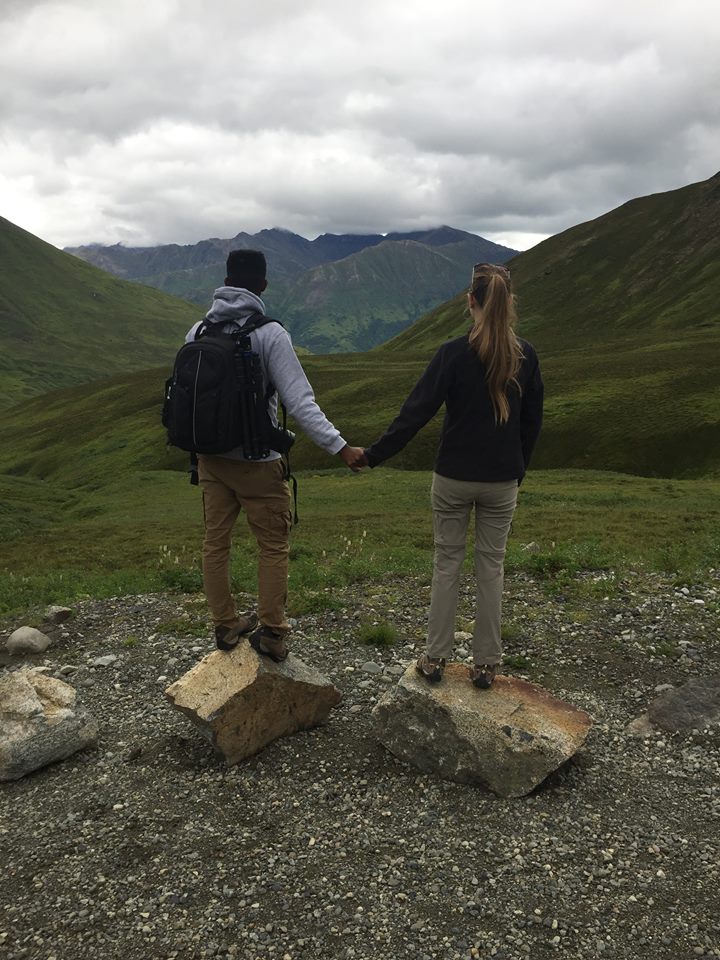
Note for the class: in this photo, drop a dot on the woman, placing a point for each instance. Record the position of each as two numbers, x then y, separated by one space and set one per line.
490 383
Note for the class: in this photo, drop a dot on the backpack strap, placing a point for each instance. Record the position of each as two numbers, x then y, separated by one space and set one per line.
202 328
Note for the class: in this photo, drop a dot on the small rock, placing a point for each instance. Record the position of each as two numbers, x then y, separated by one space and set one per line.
371 667
55 614
105 661
27 640
696 704
396 669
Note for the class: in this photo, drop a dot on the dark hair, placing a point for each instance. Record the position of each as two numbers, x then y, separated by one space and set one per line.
246 268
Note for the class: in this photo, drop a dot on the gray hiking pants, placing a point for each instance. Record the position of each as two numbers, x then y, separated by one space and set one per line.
452 503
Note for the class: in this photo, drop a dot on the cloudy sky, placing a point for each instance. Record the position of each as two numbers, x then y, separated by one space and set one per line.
156 121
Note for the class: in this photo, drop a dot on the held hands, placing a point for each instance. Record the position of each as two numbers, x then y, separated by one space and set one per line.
354 457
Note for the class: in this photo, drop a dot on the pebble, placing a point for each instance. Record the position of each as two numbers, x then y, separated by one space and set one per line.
371 667
104 661
396 669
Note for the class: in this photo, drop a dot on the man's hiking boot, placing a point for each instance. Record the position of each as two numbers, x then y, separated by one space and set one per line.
269 643
431 668
227 638
483 675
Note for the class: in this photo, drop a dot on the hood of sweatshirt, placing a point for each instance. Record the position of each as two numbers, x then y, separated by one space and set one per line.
230 305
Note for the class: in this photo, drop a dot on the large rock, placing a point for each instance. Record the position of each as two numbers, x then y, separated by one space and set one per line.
241 701
40 723
27 640
693 706
508 738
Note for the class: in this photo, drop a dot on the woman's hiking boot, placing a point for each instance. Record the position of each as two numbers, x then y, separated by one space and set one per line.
483 675
227 638
430 668
269 643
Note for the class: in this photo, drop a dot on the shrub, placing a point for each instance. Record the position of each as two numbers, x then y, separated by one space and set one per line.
381 634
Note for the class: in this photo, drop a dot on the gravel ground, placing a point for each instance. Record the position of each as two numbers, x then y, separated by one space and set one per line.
324 846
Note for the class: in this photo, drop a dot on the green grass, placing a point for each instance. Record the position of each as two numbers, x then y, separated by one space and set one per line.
381 634
66 322
142 532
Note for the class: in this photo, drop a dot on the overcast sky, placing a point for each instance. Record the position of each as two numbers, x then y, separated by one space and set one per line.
157 121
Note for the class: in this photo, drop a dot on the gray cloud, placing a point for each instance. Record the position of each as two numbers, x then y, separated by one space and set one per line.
173 120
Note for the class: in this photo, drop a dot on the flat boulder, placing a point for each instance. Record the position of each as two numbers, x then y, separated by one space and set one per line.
40 723
241 701
508 738
693 706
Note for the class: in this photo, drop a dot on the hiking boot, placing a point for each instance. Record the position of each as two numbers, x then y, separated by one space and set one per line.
269 643
483 675
430 668
227 638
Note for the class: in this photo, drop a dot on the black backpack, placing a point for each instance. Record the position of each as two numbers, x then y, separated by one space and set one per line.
216 399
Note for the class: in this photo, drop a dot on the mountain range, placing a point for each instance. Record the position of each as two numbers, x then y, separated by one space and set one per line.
337 293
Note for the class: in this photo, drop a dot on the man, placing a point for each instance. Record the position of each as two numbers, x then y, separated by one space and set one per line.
230 482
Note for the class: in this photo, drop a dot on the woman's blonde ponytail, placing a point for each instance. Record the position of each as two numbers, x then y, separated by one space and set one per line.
493 336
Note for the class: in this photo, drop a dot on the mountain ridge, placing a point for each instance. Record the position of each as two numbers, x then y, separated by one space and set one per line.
295 273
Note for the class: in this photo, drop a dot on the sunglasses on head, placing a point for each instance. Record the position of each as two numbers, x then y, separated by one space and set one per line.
487 268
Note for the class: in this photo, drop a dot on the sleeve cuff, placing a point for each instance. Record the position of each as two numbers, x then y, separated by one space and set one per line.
336 446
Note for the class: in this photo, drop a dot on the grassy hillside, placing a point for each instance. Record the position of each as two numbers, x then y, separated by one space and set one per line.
643 273
64 321
644 410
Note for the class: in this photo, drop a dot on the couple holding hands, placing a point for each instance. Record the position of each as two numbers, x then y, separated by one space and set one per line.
489 380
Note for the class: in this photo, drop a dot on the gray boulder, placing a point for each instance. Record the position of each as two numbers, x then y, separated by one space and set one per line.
693 706
27 640
40 723
508 738
241 701
56 614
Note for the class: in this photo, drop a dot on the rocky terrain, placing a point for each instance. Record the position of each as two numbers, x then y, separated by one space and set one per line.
323 846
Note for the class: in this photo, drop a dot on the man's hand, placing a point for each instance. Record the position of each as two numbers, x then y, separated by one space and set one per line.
354 457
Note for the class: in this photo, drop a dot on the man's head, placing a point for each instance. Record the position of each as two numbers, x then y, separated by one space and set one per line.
246 268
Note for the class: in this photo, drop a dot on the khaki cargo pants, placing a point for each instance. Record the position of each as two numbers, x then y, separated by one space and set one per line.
261 490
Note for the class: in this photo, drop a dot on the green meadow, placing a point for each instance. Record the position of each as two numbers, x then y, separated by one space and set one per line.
142 532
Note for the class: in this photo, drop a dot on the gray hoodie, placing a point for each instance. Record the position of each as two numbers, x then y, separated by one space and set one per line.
232 306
